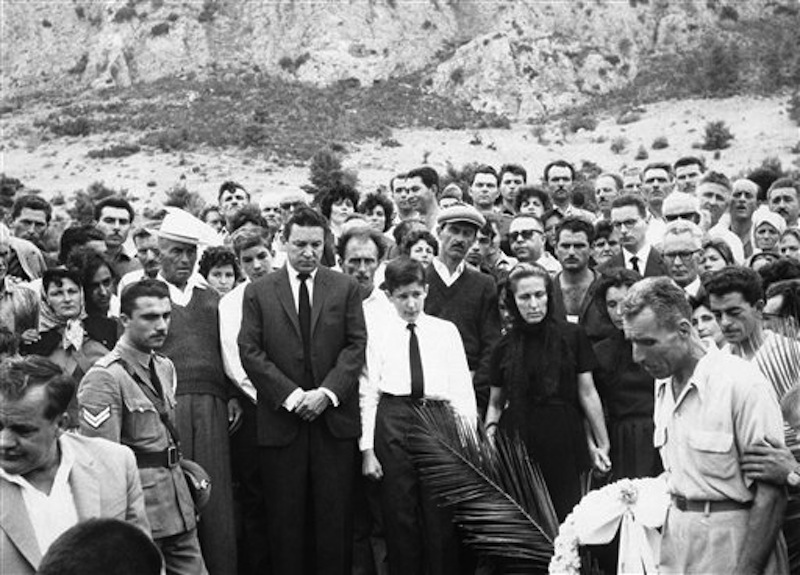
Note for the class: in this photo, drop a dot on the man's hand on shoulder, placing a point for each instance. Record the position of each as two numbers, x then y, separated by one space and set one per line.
768 463
314 402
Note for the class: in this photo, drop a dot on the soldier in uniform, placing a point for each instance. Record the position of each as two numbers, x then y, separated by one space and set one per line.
115 405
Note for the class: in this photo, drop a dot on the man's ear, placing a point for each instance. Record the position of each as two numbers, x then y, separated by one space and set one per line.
63 422
685 328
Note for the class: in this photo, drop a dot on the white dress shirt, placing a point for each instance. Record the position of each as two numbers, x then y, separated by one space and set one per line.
444 273
182 297
50 514
230 322
291 402
642 256
444 366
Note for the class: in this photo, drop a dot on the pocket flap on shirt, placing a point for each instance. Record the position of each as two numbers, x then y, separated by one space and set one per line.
138 404
712 441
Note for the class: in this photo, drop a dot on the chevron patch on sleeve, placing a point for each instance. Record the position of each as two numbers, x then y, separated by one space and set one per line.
96 420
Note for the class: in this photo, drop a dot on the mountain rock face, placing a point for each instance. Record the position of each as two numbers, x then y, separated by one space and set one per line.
521 58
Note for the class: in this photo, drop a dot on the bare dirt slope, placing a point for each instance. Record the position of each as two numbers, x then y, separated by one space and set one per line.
760 125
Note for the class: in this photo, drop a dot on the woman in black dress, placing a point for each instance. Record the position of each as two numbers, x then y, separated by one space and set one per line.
97 281
626 389
542 389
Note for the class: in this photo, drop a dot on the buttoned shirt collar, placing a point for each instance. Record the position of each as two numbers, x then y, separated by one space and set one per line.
642 254
294 283
140 357
182 297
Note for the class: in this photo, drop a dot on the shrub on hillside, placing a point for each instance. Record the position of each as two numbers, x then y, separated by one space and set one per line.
326 172
660 143
641 153
794 108
115 151
168 140
583 121
619 144
125 14
75 127
180 197
159 29
717 136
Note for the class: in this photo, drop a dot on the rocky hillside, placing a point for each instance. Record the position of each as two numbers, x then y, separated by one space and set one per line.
520 58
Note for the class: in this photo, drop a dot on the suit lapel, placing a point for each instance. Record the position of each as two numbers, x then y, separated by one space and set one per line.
320 293
15 522
285 297
85 487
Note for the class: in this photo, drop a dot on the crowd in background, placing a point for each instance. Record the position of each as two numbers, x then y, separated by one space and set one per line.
514 287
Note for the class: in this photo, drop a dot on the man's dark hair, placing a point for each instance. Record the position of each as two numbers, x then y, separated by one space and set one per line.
364 234
372 201
207 210
492 226
784 183
87 261
113 202
558 164
603 230
395 177
515 169
689 161
789 290
484 169
142 232
616 278
575 225
526 192
304 217
143 288
657 166
218 256
31 202
77 236
335 195
231 186
102 546
781 270
244 239
630 200
248 214
412 238
735 279
18 375
403 271
718 178
614 176
428 175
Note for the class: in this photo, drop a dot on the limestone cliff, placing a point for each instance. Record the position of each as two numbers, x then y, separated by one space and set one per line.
521 58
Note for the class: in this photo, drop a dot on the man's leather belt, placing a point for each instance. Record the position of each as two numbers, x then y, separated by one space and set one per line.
422 401
167 458
706 506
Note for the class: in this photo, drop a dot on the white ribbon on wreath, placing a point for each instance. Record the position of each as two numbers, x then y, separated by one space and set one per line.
635 507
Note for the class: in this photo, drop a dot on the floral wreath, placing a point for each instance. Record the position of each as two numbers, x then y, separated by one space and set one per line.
636 507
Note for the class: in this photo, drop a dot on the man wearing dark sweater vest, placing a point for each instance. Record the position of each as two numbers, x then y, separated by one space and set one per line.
463 295
205 410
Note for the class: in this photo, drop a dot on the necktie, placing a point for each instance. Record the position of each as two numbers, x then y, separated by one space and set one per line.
635 264
417 379
304 315
154 380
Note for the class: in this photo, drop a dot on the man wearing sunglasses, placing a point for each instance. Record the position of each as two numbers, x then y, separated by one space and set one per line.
526 238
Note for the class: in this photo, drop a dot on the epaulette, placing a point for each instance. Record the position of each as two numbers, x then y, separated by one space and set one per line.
108 359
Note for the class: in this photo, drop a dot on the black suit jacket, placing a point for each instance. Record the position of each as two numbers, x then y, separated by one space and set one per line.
654 267
271 350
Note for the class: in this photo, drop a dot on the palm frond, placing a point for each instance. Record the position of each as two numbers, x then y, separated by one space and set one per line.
498 496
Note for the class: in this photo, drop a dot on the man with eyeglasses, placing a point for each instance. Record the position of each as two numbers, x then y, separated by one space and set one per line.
682 206
657 184
526 238
683 241
628 216
714 193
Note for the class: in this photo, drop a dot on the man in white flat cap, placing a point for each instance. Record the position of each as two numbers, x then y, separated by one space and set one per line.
205 414
463 295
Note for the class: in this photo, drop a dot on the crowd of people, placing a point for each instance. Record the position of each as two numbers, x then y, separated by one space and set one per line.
620 328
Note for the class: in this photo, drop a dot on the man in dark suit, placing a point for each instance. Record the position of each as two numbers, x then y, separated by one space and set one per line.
302 343
629 217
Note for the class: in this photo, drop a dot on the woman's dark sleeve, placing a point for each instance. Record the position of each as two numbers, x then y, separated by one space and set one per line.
495 364
585 359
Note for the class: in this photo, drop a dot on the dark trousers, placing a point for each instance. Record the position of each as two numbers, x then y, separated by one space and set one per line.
203 427
420 536
308 492
248 496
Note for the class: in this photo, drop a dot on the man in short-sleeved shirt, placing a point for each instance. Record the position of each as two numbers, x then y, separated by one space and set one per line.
709 407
